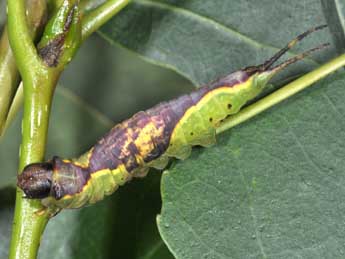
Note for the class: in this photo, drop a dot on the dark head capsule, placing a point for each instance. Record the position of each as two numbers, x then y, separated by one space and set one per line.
36 180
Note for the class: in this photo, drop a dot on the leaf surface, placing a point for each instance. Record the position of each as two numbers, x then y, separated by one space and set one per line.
203 40
335 14
272 187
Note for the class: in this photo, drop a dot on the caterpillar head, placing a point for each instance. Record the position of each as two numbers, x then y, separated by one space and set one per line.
36 180
54 179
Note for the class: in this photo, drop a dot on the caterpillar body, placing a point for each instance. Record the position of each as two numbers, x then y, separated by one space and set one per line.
149 138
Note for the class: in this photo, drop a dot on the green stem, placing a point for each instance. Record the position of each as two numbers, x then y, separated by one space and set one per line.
17 103
96 18
28 62
9 76
283 93
39 82
88 5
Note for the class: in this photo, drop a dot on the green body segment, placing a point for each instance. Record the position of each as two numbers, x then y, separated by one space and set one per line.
199 123
100 184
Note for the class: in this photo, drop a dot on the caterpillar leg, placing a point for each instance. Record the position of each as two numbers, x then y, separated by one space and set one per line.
49 211
140 173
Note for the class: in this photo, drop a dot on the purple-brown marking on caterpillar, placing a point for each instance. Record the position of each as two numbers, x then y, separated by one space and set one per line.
70 183
234 78
130 160
118 146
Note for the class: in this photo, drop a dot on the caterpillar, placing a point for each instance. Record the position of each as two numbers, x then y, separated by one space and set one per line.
150 138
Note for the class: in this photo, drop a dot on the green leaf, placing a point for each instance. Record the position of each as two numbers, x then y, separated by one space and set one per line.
271 188
205 39
335 14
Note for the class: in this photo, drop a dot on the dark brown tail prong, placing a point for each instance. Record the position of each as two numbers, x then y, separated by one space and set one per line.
265 66
298 57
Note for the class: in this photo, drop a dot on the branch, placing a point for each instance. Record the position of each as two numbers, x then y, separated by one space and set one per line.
39 80
17 103
22 45
96 18
91 22
40 71
9 76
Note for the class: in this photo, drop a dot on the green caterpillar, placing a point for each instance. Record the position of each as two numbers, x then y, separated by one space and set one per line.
149 138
